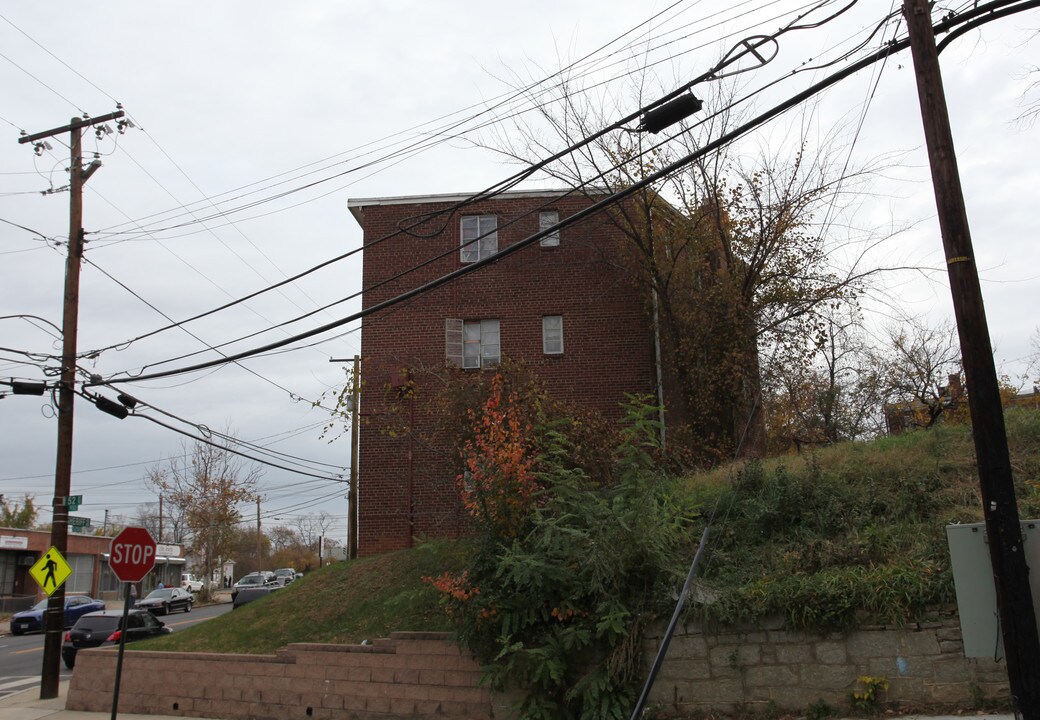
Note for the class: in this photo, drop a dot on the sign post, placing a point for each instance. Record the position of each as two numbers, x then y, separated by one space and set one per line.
131 557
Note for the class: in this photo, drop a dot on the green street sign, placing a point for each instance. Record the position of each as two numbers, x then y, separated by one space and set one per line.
72 502
78 522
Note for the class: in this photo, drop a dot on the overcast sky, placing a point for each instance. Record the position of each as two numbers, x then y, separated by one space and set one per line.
238 103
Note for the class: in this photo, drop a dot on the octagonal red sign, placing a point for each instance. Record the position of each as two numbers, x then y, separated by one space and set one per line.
132 554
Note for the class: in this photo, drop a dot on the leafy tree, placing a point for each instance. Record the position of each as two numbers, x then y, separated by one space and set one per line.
13 515
207 483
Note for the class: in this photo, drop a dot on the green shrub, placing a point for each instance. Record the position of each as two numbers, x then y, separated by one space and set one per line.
556 601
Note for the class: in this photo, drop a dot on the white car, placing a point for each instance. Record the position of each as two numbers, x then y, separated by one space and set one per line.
191 583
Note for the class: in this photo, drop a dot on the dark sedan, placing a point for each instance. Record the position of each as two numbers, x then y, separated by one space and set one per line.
166 600
103 628
31 620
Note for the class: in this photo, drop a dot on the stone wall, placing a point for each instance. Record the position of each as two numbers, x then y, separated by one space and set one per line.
923 663
418 675
410 675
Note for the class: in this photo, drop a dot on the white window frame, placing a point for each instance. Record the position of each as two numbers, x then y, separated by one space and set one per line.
552 334
472 344
546 219
478 237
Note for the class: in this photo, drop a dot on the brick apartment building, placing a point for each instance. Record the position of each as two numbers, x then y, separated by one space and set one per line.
564 306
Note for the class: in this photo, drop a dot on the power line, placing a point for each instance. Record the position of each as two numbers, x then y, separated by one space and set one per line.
612 199
492 191
522 92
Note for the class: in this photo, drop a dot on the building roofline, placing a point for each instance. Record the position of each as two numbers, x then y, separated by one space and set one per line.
356 206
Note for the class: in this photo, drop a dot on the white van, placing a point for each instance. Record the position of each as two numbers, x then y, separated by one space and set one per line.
191 583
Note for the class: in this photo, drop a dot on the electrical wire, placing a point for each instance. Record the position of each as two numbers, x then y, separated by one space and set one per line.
519 93
729 59
595 207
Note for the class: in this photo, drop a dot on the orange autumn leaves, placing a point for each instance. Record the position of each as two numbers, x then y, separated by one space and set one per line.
498 485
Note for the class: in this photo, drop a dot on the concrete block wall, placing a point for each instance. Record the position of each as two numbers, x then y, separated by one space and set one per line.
721 671
420 675
409 675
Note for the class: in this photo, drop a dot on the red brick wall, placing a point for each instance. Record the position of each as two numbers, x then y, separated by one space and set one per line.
608 349
412 675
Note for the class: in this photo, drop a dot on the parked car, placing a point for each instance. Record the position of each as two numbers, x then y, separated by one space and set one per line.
284 576
252 580
103 628
191 583
249 594
166 600
31 620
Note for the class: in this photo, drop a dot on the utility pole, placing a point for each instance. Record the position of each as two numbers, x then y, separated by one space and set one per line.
259 559
54 618
352 500
1000 509
160 518
352 497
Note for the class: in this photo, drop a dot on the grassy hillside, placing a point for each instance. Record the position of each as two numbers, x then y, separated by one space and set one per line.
341 603
851 533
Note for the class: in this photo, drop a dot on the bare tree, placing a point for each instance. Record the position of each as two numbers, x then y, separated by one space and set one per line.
734 253
921 374
313 526
207 483
1033 366
832 394
165 521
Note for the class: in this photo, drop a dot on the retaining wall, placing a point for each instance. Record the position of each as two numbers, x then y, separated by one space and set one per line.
724 671
420 675
410 675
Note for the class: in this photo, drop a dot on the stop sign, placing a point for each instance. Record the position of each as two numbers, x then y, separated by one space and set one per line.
132 555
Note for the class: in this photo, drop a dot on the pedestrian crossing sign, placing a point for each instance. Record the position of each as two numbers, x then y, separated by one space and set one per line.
51 571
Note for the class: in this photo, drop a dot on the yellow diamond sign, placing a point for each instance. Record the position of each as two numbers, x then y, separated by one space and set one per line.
51 571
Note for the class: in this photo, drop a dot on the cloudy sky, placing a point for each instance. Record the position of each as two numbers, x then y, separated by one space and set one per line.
257 121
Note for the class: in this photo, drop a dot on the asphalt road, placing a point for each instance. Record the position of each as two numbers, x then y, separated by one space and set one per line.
21 656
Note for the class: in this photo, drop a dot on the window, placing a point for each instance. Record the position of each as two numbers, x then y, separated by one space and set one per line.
478 237
472 344
552 334
546 220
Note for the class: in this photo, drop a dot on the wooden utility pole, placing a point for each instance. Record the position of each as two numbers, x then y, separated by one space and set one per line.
259 559
1004 533
352 496
352 500
54 617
